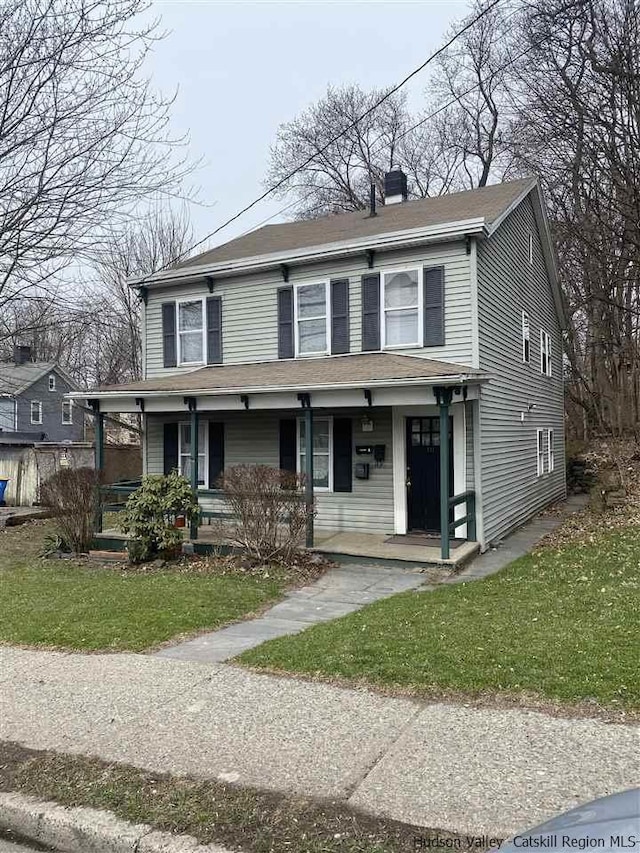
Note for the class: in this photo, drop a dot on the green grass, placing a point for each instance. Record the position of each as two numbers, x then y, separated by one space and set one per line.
73 605
562 625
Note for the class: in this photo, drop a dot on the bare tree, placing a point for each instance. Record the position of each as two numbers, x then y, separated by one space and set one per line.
154 243
83 135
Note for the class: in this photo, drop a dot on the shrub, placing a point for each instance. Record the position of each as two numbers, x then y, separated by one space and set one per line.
150 514
269 511
72 495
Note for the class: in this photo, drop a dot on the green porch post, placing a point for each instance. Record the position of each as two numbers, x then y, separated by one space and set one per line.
444 396
195 423
99 456
308 455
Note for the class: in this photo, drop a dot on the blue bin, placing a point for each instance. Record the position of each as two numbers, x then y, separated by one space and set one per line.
3 486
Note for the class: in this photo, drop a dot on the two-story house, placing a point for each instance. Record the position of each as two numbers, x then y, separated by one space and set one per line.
412 354
34 403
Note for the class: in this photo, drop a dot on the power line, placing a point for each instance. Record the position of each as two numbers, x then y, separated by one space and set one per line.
331 142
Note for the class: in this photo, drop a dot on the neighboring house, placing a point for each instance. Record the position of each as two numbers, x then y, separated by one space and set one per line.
374 330
33 404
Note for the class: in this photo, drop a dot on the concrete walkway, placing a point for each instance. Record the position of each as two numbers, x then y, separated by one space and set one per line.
340 591
350 587
436 765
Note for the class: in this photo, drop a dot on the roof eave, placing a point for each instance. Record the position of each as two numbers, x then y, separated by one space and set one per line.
327 251
450 379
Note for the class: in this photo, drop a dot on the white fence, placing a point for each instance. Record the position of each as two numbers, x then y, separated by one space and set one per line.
28 467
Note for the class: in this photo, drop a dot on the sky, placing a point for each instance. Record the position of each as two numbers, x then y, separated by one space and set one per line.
241 69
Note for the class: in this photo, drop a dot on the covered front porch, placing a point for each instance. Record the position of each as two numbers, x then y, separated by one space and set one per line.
389 464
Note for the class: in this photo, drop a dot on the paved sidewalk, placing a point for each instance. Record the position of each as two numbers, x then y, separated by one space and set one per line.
340 591
437 765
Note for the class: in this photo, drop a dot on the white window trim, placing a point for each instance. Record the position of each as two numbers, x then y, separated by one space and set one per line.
31 405
383 310
329 419
545 349
204 485
297 319
531 248
551 461
526 336
70 404
52 382
540 454
184 301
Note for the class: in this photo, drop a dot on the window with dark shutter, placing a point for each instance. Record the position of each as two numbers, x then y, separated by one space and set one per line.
340 316
216 453
371 312
214 330
434 306
342 455
170 358
285 322
288 445
170 448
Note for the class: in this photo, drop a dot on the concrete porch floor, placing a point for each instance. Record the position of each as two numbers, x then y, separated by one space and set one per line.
367 546
374 546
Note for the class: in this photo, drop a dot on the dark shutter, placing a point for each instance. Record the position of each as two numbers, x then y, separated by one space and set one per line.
170 448
434 306
371 312
169 334
285 322
216 452
214 330
288 445
340 316
342 455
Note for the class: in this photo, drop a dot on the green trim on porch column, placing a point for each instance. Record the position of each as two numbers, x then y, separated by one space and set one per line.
99 458
444 397
308 455
195 423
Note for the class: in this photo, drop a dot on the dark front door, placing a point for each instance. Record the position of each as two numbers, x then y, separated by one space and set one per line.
423 472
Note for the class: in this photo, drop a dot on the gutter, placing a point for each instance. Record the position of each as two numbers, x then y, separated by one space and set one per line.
452 379
327 251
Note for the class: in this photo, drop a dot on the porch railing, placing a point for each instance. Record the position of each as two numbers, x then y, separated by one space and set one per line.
469 499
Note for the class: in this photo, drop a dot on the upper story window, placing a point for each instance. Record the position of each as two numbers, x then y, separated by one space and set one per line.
36 411
526 338
67 412
530 245
312 329
402 309
545 353
191 332
52 382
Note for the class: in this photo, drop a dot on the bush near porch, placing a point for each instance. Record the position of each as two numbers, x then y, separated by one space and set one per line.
560 625
80 605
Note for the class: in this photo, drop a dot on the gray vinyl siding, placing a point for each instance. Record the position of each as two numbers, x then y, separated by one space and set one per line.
253 438
249 306
469 430
507 285
51 401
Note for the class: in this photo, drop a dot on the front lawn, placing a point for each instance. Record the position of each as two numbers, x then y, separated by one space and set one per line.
79 605
562 625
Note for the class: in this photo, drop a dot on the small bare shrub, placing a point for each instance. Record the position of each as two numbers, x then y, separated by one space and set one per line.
269 511
72 495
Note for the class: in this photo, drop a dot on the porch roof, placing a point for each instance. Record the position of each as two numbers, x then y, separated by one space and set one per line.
306 374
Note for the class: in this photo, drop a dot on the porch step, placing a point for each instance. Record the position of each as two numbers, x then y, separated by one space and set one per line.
109 556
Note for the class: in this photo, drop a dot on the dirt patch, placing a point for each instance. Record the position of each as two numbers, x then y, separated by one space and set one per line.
237 817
